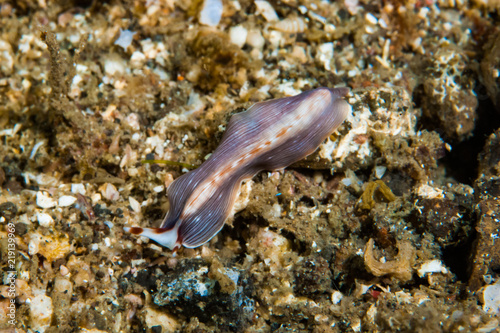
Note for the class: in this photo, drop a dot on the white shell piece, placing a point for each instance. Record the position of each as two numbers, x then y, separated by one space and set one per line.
265 9
291 25
44 219
211 12
44 201
238 35
78 188
125 39
255 39
491 298
432 266
136 206
380 171
41 310
109 192
66 200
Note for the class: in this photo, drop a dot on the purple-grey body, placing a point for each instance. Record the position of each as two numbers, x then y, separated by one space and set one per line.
269 136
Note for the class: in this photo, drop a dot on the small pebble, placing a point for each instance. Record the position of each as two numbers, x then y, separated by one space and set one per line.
66 200
336 297
265 9
491 298
238 35
63 285
44 219
211 12
109 192
125 39
159 188
63 270
135 205
255 39
78 188
114 65
41 312
44 200
380 171
371 18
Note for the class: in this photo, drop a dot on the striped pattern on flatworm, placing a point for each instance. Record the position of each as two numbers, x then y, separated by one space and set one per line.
268 136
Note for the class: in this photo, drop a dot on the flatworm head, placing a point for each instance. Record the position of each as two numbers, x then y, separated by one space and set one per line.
268 136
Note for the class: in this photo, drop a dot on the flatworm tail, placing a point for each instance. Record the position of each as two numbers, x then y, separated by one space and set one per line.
165 237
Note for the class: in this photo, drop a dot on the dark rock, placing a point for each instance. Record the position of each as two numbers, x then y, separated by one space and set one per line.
188 291
489 158
443 218
486 257
313 277
8 210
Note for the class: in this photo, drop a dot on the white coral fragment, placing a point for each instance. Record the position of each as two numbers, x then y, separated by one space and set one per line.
325 55
136 206
238 35
125 39
43 200
491 298
66 200
265 9
44 219
114 65
429 192
211 12
291 25
432 266
109 192
41 310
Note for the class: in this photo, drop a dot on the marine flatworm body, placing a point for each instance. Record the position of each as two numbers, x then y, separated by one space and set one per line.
268 136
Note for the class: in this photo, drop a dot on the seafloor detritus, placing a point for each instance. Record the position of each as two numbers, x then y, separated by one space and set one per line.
490 67
449 94
401 267
90 112
489 158
376 190
486 251
445 219
485 259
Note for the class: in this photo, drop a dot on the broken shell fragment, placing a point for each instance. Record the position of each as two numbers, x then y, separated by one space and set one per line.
211 12
291 25
400 267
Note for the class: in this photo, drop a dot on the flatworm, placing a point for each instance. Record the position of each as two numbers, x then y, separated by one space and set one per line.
270 135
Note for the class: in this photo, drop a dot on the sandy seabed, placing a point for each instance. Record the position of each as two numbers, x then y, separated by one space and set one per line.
393 224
